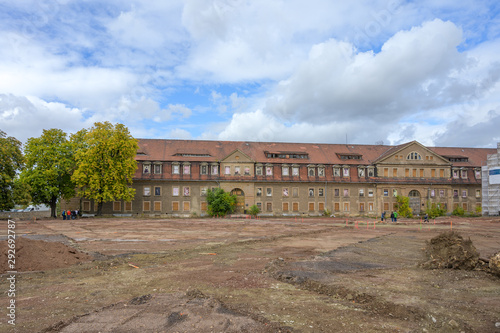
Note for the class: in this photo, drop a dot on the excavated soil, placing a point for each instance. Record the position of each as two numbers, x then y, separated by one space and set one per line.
242 275
39 255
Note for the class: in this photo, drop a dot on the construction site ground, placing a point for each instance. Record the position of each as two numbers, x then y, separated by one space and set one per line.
247 275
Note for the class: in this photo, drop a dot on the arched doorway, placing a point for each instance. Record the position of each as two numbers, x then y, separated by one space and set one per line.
414 196
240 200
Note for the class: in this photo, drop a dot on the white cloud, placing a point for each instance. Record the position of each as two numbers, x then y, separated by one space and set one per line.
410 72
21 117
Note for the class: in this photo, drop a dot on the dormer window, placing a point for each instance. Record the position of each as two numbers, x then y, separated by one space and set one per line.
336 171
285 170
175 169
321 171
349 156
345 171
310 171
361 171
146 169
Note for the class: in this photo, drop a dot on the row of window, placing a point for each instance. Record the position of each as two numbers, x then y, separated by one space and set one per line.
312 171
312 192
185 206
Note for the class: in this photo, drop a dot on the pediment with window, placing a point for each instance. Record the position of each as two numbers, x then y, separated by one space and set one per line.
412 153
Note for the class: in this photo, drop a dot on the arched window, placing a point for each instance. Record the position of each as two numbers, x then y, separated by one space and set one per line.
414 156
414 193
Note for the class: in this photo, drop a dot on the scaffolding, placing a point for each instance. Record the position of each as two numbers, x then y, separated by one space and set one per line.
491 185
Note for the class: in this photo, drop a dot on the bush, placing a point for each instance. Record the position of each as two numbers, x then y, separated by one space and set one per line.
327 212
254 210
435 210
220 202
459 211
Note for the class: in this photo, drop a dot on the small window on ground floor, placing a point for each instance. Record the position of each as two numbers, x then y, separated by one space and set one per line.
321 206
285 206
204 206
175 206
186 206
146 206
336 206
128 206
157 206
86 206
311 206
117 206
295 206
269 206
346 206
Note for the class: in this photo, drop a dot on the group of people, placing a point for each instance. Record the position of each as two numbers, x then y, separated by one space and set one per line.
394 217
69 214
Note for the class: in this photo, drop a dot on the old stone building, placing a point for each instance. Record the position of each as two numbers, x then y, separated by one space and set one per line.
290 179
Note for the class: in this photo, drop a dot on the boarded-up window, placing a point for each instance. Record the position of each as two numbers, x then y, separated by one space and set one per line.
386 172
421 173
433 173
311 206
395 172
464 206
295 206
86 206
361 206
441 173
346 206
285 206
336 206
146 206
414 172
175 206
157 206
128 206
321 206
203 206
269 206
186 206
117 206
386 206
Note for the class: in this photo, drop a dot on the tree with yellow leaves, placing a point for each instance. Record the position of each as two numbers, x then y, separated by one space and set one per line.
105 163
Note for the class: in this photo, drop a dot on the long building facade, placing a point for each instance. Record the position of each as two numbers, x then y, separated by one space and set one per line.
297 179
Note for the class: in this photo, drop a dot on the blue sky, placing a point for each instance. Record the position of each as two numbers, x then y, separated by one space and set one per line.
291 71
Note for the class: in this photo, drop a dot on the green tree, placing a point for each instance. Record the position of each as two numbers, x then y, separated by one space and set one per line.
105 163
50 160
11 161
220 202
403 206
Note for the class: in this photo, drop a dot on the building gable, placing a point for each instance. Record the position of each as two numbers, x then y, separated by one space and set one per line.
413 153
237 156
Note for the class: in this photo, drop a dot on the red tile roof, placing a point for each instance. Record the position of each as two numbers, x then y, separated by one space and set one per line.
213 151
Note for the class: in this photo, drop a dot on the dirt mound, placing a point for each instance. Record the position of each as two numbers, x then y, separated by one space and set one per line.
38 255
494 264
450 250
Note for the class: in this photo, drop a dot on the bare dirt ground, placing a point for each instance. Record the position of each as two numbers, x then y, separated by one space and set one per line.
247 275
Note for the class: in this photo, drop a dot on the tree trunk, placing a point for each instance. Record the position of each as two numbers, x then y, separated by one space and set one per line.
99 208
53 207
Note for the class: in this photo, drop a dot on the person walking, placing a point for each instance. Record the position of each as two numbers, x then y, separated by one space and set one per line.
395 216
392 216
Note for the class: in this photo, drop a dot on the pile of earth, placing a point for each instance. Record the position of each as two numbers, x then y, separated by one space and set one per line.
451 250
38 255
